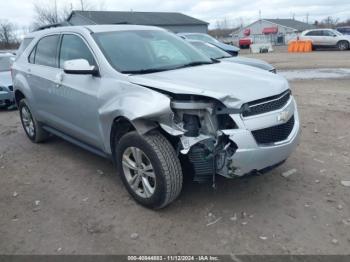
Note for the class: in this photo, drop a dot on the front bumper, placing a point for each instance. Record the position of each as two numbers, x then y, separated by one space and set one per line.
251 156
6 98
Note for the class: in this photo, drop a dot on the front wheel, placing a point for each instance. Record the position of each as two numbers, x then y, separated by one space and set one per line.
149 168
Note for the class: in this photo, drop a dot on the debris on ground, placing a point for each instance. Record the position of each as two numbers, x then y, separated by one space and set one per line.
134 236
323 170
100 172
59 249
243 215
340 207
214 222
345 183
317 181
37 202
335 241
244 223
234 217
316 131
307 205
318 160
15 194
85 199
263 237
289 173
15 218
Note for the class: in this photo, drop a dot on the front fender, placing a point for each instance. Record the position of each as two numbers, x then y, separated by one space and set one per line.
143 107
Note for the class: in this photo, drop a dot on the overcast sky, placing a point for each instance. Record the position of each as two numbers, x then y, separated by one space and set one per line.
21 12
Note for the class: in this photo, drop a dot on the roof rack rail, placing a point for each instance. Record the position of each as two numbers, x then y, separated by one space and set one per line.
65 23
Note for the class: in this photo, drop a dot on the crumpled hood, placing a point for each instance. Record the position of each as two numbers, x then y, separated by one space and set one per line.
250 61
5 78
231 83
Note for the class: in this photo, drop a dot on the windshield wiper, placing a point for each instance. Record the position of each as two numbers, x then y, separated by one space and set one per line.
198 63
145 71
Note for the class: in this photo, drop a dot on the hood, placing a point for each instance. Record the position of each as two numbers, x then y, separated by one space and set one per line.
5 78
226 47
250 61
231 83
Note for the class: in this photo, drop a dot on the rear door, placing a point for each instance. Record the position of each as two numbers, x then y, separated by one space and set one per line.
315 36
41 76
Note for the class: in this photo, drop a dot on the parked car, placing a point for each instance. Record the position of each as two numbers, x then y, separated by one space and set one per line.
216 53
6 87
326 38
231 49
153 104
345 30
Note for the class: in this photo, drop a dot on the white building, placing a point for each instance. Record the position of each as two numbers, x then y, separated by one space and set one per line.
274 31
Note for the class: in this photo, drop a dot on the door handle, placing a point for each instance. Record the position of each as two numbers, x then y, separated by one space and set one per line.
59 79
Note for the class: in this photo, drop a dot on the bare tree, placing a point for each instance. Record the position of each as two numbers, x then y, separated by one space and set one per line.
49 12
7 34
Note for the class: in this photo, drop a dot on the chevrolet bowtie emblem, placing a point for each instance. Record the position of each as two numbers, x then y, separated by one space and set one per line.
283 117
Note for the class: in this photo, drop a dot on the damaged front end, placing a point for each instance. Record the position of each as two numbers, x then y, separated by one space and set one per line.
232 142
199 123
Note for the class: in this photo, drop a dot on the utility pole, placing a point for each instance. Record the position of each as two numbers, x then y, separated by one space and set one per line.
307 18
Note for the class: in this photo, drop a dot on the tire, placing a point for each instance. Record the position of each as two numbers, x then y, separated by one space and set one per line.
155 151
343 45
34 131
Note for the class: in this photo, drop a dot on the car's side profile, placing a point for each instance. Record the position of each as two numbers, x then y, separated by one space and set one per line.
216 53
154 105
232 50
326 38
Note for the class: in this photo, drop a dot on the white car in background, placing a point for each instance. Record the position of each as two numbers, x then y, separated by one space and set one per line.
326 38
6 87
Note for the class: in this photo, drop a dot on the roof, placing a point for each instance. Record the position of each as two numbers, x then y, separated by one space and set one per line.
138 18
89 29
291 23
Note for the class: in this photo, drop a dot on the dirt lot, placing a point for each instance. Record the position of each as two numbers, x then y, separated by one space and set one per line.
84 208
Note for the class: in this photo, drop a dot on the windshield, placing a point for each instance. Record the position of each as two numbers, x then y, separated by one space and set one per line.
5 63
147 51
210 50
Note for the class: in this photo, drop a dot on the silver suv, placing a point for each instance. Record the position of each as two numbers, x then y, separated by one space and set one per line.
327 38
156 106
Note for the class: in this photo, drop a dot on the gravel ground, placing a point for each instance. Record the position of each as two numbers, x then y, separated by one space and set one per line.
59 199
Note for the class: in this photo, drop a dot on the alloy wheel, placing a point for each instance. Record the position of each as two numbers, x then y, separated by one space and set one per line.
139 172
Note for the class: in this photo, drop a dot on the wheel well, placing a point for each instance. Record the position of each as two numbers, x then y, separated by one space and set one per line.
120 127
346 41
19 96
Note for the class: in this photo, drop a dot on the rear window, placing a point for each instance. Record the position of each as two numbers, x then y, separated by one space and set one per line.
46 51
23 46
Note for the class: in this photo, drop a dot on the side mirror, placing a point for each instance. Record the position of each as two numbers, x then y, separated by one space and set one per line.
79 67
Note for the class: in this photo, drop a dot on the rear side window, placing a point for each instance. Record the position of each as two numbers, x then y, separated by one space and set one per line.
73 47
46 51
314 33
23 46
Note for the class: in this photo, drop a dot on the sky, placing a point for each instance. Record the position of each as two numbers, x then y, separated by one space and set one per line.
21 12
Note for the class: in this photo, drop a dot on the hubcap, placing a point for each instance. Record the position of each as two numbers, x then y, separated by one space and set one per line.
27 121
139 172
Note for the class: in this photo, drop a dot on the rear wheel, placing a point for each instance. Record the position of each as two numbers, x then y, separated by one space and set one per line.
343 45
149 168
31 127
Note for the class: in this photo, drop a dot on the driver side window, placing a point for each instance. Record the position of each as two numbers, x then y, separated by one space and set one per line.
73 47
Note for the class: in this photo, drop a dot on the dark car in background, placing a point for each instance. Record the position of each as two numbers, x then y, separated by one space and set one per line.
345 30
232 50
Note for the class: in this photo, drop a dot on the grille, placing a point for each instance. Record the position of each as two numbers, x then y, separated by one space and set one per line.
10 88
275 133
267 104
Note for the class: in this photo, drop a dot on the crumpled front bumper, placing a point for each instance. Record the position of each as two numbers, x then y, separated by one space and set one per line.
251 156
